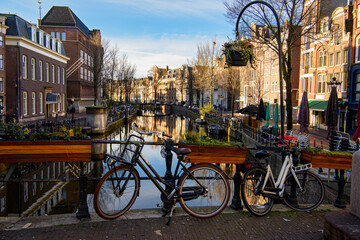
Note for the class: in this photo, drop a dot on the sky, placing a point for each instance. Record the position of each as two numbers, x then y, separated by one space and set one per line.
150 32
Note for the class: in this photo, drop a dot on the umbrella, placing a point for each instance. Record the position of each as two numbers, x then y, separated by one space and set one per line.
276 119
267 115
261 113
357 133
251 110
303 117
332 111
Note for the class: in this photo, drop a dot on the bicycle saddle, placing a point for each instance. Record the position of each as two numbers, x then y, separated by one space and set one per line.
183 151
262 154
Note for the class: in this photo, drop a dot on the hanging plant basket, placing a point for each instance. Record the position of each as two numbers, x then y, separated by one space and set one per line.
236 58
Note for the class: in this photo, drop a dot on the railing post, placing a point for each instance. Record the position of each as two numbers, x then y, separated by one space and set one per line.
83 210
236 201
339 202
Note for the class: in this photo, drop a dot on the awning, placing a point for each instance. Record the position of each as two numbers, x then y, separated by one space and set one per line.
320 105
52 98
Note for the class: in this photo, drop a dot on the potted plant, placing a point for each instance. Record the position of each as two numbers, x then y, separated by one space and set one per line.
321 158
239 52
206 149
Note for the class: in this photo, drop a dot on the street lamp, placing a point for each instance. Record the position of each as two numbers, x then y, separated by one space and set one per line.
72 110
334 83
280 54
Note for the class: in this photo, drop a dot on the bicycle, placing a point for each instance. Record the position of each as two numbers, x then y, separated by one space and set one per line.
202 190
296 186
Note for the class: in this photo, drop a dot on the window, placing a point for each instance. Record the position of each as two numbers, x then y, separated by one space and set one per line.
322 59
85 73
81 73
81 54
1 41
344 78
63 76
89 75
357 53
358 16
324 26
85 58
40 70
41 103
47 72
59 105
58 35
53 73
26 191
338 37
63 102
307 62
25 102
337 58
321 84
63 36
345 56
53 34
58 75
41 38
24 67
1 85
331 59
1 61
33 102
305 86
89 63
33 70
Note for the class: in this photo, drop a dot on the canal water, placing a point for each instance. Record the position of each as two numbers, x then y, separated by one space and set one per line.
175 125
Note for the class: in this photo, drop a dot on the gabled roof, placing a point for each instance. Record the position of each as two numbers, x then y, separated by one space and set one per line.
63 16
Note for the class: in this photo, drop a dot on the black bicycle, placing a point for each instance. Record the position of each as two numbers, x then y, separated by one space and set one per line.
202 190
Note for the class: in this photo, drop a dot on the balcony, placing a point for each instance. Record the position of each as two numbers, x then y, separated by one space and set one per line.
323 36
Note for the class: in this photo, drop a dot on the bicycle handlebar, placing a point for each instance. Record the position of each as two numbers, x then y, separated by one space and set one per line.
160 134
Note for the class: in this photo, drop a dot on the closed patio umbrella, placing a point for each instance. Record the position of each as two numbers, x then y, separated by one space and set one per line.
276 119
332 111
261 113
267 115
357 133
303 117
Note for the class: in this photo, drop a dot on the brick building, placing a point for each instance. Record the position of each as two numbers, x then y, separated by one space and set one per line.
35 72
325 55
63 24
3 29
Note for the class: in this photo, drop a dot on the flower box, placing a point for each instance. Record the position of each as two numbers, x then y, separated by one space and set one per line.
12 151
324 160
214 154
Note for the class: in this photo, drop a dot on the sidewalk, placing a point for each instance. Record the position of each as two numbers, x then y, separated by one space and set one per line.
281 223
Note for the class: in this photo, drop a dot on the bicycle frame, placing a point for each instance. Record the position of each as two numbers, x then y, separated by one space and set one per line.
279 183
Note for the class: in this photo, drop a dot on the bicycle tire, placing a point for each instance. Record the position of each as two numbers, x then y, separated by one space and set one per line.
256 203
108 202
217 194
310 197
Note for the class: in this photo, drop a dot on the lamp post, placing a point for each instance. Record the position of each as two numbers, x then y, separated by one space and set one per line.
72 110
236 202
280 53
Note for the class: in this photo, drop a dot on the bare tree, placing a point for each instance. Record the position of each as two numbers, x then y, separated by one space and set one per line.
125 75
293 14
110 73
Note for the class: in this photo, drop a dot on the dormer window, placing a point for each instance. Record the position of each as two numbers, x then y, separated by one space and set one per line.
33 34
324 26
40 36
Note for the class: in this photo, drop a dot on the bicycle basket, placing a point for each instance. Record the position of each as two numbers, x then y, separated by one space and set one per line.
133 148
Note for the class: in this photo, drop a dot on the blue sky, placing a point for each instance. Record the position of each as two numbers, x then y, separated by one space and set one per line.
150 32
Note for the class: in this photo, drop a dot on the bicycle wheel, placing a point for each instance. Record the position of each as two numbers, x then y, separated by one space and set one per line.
205 202
309 196
254 200
116 192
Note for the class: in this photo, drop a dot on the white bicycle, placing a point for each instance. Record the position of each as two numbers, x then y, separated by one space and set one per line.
299 188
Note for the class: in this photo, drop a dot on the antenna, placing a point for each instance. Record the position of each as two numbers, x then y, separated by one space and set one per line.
39 2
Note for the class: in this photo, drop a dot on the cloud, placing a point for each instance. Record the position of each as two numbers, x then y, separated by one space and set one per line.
171 50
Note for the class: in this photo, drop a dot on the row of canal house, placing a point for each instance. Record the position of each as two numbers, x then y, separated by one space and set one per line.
43 67
332 50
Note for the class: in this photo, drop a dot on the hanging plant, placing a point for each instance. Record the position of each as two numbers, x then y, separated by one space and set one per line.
239 53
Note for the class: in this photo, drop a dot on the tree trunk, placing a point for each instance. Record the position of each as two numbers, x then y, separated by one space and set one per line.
233 103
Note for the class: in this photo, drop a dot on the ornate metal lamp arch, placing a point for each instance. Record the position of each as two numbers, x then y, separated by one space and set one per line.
280 54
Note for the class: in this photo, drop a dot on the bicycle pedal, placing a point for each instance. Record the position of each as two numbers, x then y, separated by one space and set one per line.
160 205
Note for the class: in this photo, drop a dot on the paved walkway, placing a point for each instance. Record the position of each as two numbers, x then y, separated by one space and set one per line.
281 223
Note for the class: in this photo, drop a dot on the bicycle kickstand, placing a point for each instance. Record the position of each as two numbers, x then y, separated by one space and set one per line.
171 213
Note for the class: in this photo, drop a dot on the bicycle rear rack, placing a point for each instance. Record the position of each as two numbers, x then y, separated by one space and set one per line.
302 167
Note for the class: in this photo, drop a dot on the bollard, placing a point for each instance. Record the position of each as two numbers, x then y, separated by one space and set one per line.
83 210
236 201
339 202
314 141
321 140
